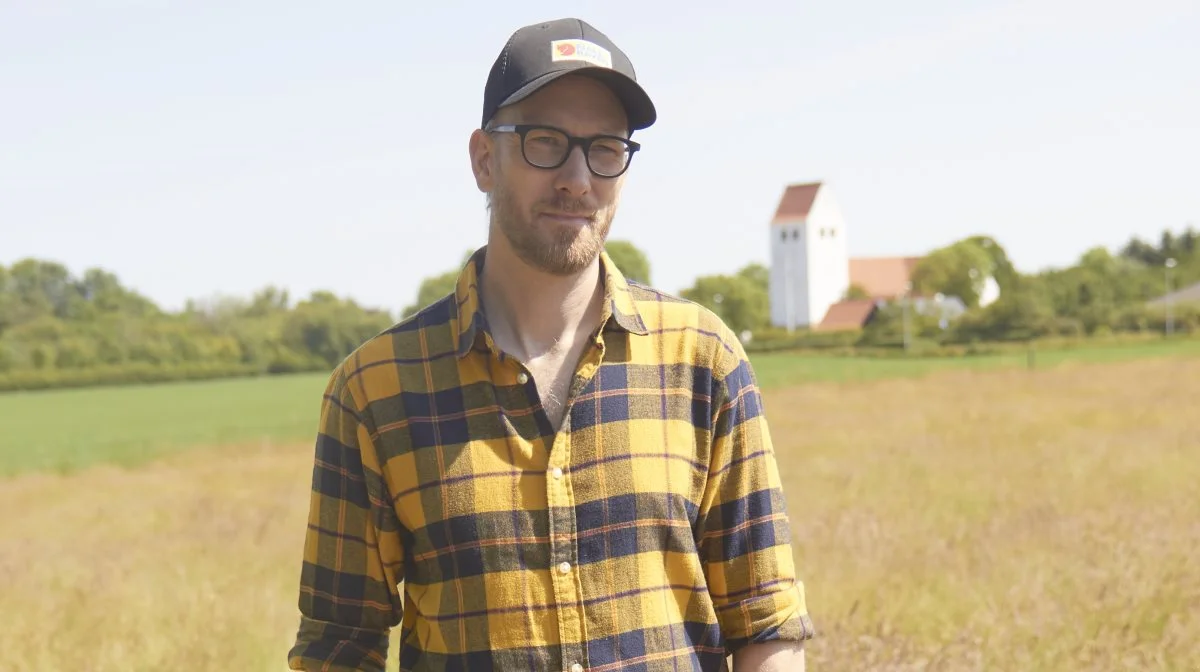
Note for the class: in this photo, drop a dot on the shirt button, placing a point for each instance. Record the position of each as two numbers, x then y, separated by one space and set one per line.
522 377
564 568
557 472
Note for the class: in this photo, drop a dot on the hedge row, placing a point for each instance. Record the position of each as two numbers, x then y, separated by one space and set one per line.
893 347
129 374
841 344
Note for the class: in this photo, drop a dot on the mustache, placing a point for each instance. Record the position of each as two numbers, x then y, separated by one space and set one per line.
571 206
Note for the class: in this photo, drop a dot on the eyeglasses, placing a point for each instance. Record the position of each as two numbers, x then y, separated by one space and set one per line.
548 147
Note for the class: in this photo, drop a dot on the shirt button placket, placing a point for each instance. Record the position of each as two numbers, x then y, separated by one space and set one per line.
562 535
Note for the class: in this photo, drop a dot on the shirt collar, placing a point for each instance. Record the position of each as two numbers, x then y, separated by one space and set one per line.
470 321
619 303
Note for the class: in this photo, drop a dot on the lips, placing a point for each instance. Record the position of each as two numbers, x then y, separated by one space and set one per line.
576 218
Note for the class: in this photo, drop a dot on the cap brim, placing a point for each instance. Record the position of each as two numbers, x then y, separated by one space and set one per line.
639 109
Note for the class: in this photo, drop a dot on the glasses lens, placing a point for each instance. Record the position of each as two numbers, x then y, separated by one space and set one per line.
545 147
608 156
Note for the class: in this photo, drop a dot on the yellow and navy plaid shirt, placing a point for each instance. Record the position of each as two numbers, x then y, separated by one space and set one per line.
648 533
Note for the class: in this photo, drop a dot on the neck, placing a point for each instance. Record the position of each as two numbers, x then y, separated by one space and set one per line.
532 313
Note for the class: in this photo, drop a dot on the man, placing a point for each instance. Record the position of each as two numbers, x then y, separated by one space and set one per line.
563 469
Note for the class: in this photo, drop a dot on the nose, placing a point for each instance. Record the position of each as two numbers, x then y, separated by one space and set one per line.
573 176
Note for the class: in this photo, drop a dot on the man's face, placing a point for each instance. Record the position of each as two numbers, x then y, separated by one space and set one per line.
555 220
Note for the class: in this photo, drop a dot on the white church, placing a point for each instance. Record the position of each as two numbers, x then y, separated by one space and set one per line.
811 269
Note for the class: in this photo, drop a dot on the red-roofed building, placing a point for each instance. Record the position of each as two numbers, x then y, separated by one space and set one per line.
882 277
811 269
797 202
848 315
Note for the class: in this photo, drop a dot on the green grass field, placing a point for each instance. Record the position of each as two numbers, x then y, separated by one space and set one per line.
67 430
785 369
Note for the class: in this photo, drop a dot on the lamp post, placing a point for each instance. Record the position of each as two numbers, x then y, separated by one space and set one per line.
1170 302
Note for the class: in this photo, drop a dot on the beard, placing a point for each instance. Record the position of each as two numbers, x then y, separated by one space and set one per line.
555 250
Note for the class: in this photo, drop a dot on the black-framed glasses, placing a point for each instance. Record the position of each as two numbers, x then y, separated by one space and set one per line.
548 147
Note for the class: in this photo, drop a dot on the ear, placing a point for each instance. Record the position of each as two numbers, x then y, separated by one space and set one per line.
483 159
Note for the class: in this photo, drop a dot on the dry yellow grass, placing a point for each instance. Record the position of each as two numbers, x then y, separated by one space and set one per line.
1006 521
968 521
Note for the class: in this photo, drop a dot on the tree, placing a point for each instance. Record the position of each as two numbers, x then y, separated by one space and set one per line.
737 299
1168 246
1188 241
959 269
1141 251
854 292
62 330
42 288
104 294
631 261
758 274
1101 287
436 287
1002 269
270 300
8 300
326 329
1017 315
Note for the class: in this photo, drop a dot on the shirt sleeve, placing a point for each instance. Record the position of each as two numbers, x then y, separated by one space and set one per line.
349 597
745 538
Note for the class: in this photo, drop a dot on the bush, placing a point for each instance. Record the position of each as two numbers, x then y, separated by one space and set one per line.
775 340
128 374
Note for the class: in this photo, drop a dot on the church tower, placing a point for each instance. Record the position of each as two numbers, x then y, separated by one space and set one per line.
810 263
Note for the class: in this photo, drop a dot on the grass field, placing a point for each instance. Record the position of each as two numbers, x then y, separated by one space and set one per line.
978 518
67 430
784 369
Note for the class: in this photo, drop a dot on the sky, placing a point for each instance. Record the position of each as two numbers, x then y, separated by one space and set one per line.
212 149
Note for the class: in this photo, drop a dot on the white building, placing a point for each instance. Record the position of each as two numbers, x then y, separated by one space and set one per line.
810 264
811 270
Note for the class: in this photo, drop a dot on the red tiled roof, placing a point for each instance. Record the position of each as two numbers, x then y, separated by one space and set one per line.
796 202
852 314
882 277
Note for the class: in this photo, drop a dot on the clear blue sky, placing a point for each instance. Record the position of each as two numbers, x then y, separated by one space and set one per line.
207 148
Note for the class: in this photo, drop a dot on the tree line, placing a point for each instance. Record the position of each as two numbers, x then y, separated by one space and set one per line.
1104 292
57 330
61 330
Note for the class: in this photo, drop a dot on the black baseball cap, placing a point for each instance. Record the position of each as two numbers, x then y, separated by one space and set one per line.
538 54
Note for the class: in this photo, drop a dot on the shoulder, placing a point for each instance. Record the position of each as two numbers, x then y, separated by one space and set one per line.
374 370
690 329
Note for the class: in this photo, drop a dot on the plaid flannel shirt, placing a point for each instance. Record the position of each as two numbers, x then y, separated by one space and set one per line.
648 533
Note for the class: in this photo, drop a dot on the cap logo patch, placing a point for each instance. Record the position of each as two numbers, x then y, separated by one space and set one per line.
580 50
